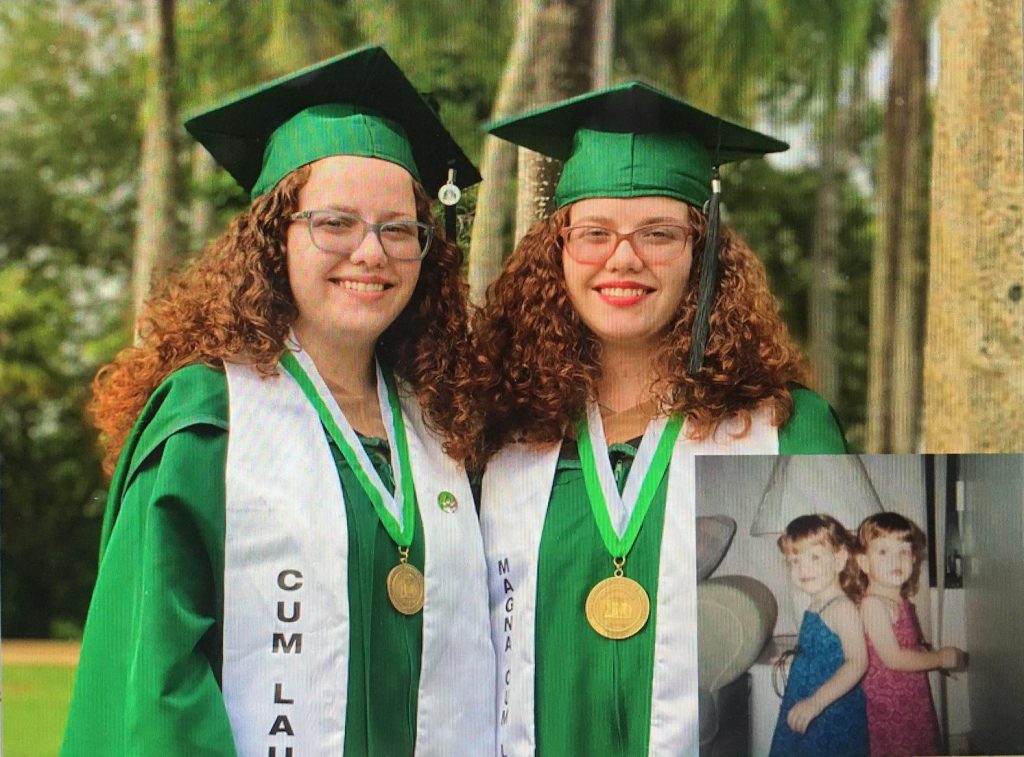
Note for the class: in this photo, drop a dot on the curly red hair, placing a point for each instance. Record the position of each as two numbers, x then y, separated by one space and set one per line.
538 364
234 303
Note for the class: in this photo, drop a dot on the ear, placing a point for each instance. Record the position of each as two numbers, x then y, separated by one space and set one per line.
842 557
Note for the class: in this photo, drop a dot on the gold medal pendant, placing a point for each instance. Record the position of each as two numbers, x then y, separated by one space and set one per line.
618 607
405 585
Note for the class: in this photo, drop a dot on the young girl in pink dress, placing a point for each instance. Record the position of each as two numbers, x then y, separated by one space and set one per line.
901 718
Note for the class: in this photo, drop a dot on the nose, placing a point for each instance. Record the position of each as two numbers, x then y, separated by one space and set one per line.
624 257
370 251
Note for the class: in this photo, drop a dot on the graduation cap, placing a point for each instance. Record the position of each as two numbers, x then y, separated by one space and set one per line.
359 103
632 140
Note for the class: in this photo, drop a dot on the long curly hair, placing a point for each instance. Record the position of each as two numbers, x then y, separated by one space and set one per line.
904 529
233 303
538 364
824 529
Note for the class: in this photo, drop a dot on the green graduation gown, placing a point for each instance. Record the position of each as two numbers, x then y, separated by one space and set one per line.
148 681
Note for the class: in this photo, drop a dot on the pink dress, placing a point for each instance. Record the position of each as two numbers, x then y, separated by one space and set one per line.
901 717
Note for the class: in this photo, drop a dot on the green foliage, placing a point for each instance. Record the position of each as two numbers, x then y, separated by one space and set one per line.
68 149
773 210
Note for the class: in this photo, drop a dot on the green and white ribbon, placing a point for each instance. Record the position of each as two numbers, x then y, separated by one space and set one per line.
396 511
619 517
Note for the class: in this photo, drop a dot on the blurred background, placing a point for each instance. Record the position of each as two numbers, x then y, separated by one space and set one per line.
891 231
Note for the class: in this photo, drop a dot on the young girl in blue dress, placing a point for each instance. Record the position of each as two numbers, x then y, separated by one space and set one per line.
823 711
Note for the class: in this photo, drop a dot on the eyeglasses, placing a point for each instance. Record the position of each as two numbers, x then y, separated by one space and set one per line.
657 243
342 233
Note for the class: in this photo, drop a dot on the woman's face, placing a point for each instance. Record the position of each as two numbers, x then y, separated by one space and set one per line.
351 297
631 296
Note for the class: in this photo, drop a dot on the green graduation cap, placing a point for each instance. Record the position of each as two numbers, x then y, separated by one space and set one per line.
632 140
359 103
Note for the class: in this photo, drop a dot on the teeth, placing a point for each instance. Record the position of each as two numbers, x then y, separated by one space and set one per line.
622 292
362 286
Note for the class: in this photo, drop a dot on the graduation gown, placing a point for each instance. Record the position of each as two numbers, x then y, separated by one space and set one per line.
151 675
562 688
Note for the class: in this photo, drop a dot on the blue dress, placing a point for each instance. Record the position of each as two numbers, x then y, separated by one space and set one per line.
841 730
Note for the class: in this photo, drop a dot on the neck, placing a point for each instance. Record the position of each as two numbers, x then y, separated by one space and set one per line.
346 365
888 592
818 600
626 376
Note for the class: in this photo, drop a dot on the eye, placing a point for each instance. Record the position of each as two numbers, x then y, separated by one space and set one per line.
590 234
401 231
335 223
662 234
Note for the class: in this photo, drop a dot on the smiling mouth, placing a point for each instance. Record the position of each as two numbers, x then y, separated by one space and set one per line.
361 286
624 291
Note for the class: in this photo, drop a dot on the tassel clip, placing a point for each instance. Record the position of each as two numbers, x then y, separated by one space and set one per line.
449 195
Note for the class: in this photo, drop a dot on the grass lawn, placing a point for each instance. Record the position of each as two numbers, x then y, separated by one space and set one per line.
35 707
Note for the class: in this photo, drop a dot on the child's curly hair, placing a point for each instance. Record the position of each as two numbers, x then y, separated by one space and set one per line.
234 303
824 529
904 529
538 364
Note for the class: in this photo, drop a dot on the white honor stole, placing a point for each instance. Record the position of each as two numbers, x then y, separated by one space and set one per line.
286 608
514 500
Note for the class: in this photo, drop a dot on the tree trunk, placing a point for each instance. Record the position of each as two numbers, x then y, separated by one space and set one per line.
201 221
604 43
894 375
974 382
824 265
156 237
493 215
565 32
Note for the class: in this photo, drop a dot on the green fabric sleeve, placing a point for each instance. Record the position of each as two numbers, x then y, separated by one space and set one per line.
813 429
147 682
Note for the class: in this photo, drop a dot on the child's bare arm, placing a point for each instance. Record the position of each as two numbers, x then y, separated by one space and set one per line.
844 620
878 626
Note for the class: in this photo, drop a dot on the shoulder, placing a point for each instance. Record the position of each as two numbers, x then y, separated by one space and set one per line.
195 396
813 428
842 614
872 607
843 607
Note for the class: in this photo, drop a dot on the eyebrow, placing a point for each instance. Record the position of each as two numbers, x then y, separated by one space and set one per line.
649 221
390 215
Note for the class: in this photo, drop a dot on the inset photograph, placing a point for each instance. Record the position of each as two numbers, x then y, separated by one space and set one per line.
860 605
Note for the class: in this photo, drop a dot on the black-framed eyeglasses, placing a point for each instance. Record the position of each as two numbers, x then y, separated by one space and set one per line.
341 234
656 243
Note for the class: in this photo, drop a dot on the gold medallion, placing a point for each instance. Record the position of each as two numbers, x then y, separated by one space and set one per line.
405 588
618 607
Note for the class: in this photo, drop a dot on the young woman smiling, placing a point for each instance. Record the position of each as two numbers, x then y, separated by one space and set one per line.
290 563
628 333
